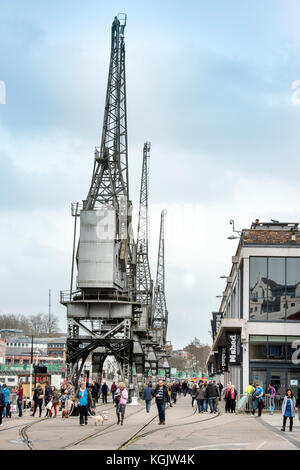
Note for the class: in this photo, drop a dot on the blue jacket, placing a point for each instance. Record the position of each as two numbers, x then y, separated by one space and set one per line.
6 393
148 393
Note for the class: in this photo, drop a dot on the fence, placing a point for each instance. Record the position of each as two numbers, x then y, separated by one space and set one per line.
245 403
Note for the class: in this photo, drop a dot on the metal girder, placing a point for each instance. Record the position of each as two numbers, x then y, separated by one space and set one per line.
160 312
78 348
144 285
110 173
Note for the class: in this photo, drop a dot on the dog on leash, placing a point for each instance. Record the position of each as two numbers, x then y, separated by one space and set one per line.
65 414
99 419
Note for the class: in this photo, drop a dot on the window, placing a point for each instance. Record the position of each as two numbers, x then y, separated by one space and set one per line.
273 348
258 347
293 288
258 288
274 290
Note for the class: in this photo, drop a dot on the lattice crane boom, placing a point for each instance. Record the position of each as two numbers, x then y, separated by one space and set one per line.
143 274
110 173
160 312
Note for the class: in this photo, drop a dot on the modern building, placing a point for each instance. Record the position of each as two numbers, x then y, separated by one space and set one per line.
258 339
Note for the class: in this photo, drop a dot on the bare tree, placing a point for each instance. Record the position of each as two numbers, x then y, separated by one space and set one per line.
41 324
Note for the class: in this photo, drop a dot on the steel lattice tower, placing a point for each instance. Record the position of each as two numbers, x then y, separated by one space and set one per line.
110 173
160 312
143 275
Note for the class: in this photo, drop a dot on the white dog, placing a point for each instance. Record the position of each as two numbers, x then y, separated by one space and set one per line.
99 419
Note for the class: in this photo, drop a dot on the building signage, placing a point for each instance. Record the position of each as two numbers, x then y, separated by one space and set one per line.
216 322
222 359
234 350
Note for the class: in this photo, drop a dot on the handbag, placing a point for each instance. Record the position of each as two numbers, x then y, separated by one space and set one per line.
49 405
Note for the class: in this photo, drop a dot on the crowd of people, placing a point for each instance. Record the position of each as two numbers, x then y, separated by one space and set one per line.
206 395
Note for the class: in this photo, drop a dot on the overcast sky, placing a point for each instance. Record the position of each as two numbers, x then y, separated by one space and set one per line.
209 84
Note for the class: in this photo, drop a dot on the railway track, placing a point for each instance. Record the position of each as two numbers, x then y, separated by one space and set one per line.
24 428
140 433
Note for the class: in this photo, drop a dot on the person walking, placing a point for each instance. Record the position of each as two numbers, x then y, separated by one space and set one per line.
288 409
169 394
200 398
184 388
174 391
94 393
2 405
20 399
113 390
6 391
233 395
148 393
37 399
161 396
220 387
83 400
258 396
104 391
121 397
47 399
250 390
98 389
205 403
227 398
271 391
212 395
55 401
193 393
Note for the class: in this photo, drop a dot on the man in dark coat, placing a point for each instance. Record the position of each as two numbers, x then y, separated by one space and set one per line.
94 393
104 391
148 393
184 388
161 395
174 390
212 394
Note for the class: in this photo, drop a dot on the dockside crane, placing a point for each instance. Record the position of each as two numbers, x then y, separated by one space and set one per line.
159 309
102 312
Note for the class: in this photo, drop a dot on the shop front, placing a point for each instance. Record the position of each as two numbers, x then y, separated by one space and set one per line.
273 361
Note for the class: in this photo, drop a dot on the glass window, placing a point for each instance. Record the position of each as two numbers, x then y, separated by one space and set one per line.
277 347
293 288
259 376
289 346
258 288
276 289
258 348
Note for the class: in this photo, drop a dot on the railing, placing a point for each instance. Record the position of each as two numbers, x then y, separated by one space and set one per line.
245 403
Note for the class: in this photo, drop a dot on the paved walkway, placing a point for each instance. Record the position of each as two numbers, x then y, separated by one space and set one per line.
184 429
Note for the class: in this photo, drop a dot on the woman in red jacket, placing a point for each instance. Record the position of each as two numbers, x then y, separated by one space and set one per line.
233 395
20 399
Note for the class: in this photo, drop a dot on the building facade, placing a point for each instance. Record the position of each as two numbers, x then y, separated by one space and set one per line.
258 338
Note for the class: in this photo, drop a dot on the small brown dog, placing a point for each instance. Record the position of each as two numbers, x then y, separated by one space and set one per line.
65 414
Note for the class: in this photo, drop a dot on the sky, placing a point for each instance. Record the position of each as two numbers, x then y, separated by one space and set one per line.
209 84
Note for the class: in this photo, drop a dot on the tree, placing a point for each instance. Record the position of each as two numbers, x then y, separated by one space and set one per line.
42 324
35 325
199 352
